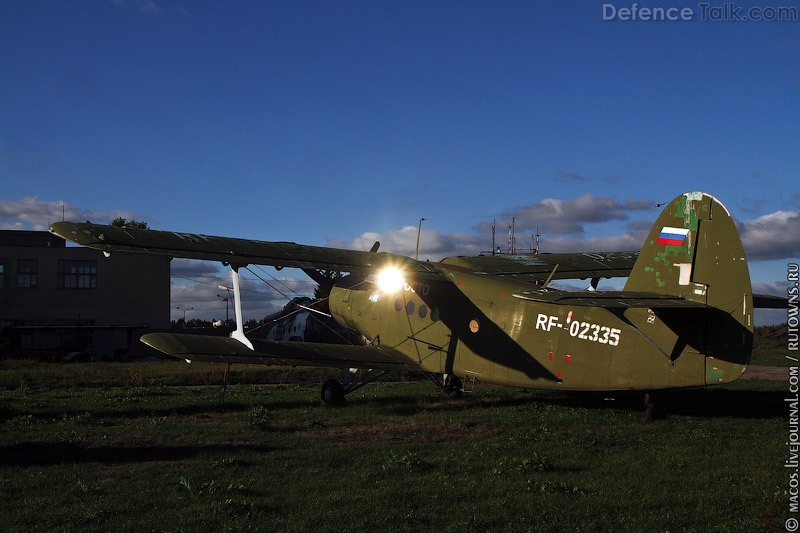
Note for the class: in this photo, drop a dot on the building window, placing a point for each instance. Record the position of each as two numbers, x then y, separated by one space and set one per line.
77 274
27 273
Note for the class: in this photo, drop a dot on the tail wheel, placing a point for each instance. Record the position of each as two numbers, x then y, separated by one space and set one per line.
333 393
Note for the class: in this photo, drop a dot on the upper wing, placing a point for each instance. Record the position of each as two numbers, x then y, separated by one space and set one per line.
209 348
232 251
539 267
529 268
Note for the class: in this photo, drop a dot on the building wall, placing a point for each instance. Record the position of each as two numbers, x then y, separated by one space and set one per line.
125 289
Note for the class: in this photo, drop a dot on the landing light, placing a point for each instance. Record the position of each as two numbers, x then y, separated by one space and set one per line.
390 279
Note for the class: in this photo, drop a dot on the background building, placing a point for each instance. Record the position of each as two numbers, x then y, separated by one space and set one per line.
60 299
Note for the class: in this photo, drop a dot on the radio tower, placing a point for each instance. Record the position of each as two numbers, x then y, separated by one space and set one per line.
511 249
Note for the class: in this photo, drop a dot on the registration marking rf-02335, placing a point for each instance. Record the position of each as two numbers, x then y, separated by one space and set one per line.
587 331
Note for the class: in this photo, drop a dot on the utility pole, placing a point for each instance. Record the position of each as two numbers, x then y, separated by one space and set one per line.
226 299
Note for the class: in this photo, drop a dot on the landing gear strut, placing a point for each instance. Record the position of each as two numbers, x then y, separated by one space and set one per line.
449 384
453 386
334 391
652 411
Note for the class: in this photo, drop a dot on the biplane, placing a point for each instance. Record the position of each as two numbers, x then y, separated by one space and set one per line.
684 317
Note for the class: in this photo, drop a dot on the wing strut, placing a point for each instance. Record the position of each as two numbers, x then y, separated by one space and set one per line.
550 277
238 334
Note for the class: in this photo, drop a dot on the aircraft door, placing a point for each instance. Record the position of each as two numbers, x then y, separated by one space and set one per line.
476 339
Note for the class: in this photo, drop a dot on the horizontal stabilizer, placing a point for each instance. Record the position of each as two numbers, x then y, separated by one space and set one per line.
539 267
609 299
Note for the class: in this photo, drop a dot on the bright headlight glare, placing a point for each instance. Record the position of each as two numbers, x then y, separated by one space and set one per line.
390 280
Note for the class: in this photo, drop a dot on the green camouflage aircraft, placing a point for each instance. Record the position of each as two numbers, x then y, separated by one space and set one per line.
683 319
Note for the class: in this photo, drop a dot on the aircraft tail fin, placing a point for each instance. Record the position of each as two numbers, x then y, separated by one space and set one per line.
694 252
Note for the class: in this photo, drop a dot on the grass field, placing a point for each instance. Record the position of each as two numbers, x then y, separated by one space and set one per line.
120 447
769 352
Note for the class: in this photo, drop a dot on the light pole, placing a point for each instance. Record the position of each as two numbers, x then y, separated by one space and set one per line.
227 299
184 309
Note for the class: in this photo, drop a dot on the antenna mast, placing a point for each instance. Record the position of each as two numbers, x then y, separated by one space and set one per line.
494 221
511 249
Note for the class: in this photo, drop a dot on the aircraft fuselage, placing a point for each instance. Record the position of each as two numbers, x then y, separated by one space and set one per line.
475 327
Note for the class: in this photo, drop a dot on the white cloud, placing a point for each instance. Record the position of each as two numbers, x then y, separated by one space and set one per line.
30 213
403 241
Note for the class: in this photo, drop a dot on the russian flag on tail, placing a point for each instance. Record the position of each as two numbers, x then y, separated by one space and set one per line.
672 236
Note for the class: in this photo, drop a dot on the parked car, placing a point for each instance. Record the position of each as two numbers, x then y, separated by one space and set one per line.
79 357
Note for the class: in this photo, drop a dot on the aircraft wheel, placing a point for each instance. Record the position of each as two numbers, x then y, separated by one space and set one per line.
332 393
453 387
652 411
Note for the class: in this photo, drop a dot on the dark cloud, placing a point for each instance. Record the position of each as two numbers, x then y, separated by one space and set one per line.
202 293
562 224
556 216
193 268
772 236
614 243
562 175
776 288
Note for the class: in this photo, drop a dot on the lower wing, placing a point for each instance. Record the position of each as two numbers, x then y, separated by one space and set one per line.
209 348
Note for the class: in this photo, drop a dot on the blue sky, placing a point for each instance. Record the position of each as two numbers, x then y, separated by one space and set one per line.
341 123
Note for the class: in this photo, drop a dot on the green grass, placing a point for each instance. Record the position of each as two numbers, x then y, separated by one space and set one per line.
770 352
110 455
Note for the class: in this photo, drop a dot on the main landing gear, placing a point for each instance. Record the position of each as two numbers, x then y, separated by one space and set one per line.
449 384
334 391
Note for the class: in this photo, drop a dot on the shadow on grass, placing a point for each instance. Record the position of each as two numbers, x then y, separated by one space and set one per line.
51 453
724 402
735 402
111 413
708 402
